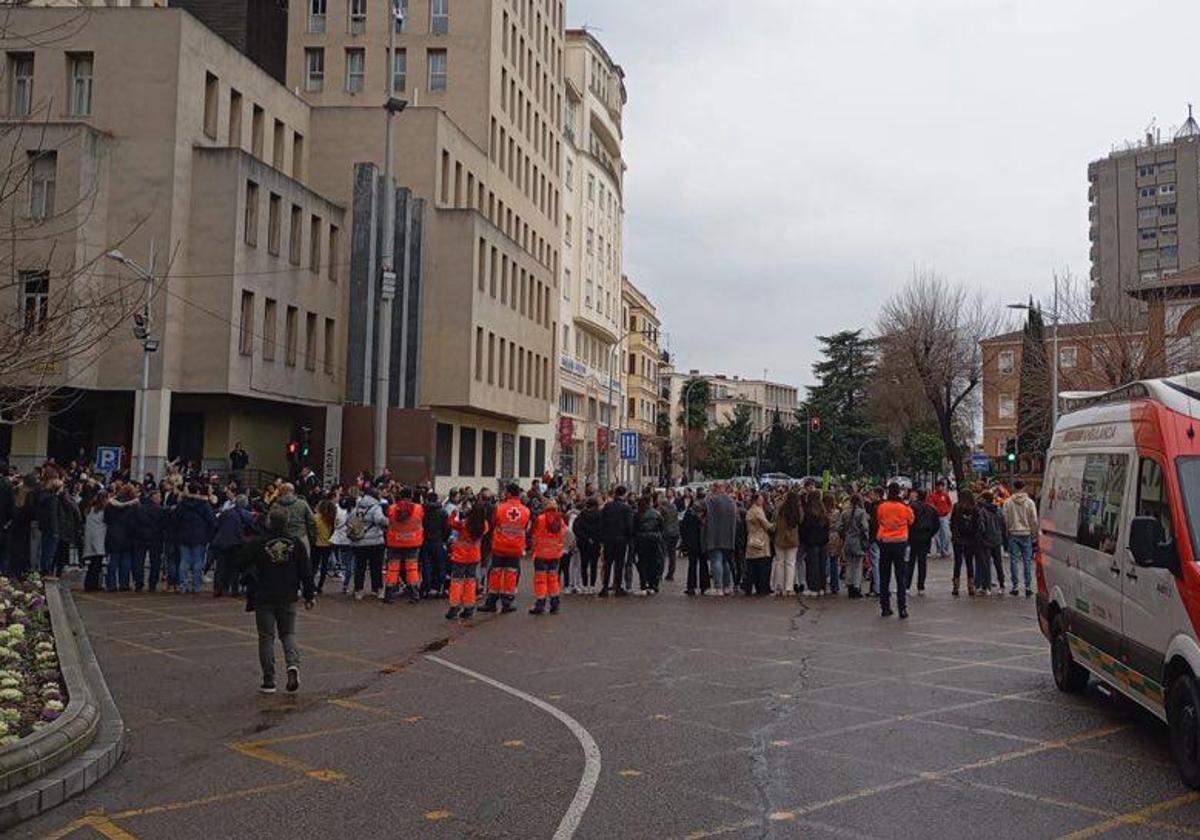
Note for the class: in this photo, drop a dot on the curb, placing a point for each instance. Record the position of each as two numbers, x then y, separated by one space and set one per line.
80 747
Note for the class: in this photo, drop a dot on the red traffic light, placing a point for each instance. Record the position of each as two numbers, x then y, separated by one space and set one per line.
293 447
815 424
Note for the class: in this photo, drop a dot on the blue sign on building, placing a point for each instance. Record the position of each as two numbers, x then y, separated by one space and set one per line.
108 458
630 444
980 462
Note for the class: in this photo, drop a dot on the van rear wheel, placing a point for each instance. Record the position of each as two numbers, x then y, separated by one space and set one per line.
1069 675
1183 714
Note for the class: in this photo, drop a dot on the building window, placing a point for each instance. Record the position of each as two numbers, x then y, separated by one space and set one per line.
1167 211
1006 407
211 90
358 17
437 69
274 224
479 354
400 69
1100 501
235 119
1005 361
257 126
295 234
81 67
251 223
314 68
1144 171
1147 192
35 300
523 453
401 18
356 60
443 451
269 331
277 147
246 325
330 346
487 468
297 155
334 235
316 16
20 91
314 244
1068 357
466 451
291 338
1170 252
1166 189
43 168
439 17
310 341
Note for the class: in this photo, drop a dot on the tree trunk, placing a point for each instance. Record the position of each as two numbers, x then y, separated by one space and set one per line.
946 430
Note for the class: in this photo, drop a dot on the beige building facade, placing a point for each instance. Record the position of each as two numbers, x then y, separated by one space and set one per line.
480 143
152 134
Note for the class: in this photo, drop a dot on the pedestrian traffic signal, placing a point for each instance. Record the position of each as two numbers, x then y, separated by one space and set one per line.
815 424
305 441
292 448
1010 450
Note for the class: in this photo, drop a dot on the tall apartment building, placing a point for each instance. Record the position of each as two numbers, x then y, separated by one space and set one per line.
145 130
593 172
641 373
1144 214
480 143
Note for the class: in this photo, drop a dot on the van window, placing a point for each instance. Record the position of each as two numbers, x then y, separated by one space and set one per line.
1060 495
1189 481
1100 502
1152 496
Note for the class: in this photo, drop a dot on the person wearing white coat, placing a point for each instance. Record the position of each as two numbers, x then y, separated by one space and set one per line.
94 531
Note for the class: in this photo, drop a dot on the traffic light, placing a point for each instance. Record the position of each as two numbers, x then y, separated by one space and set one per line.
292 448
815 424
1010 450
305 441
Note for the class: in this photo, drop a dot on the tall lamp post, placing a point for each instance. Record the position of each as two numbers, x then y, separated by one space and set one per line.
143 332
387 285
1054 317
687 425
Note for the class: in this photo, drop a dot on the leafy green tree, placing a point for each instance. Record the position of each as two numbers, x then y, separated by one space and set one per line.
922 448
1033 395
731 445
775 447
693 424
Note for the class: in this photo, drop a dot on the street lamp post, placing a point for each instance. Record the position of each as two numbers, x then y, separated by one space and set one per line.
687 426
1054 318
858 458
612 362
387 286
142 330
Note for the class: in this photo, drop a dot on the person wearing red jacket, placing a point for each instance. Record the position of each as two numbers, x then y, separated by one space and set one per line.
405 535
940 500
548 532
509 526
464 560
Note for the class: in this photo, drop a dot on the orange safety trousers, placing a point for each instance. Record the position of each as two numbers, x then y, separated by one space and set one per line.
504 575
545 579
398 560
462 584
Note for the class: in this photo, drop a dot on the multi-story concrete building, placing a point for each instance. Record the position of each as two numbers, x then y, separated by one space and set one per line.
1144 212
147 131
480 143
593 213
642 385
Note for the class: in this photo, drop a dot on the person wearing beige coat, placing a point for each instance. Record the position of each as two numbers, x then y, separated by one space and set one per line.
758 546
787 545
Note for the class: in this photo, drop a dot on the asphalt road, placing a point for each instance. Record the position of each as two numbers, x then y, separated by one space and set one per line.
662 717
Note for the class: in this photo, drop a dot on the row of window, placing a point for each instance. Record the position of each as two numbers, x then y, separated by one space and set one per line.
356 16
538 78
507 365
506 152
460 188
291 341
1161 189
1164 168
437 64
1068 359
295 231
528 121
280 134
1164 211
642 410
572 403
489 454
78 95
510 283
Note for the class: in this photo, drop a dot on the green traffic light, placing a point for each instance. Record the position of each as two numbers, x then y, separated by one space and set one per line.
1011 457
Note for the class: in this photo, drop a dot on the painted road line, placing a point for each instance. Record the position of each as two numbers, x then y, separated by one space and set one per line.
591 753
1139 817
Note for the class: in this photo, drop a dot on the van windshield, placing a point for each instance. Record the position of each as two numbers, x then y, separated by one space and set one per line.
1189 481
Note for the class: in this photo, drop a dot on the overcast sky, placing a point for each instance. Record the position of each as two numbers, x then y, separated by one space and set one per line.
791 161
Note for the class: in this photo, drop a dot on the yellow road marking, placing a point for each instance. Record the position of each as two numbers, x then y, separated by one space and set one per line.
255 750
781 816
143 648
436 815
98 823
514 743
1139 817
629 773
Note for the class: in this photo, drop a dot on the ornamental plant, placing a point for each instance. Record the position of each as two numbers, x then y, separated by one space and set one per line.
32 693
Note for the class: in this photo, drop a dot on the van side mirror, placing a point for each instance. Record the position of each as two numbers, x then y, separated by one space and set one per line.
1149 545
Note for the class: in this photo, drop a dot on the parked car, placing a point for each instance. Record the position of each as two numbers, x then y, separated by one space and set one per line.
1119 543
776 479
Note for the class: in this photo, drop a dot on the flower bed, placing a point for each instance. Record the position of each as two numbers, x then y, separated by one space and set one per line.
32 692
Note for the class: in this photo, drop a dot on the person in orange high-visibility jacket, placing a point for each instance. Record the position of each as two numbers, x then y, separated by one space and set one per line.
509 526
893 519
464 560
549 529
405 534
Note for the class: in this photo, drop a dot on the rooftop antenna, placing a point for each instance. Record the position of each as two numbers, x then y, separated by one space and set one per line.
1190 128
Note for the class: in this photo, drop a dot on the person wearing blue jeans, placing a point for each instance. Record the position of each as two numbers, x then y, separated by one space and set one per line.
720 570
119 571
1021 546
195 525
46 550
1021 521
191 567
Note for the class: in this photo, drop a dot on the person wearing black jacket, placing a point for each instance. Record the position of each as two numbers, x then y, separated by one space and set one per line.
616 529
279 565
20 529
926 524
232 526
587 538
436 526
648 539
691 533
149 531
119 540
47 521
964 532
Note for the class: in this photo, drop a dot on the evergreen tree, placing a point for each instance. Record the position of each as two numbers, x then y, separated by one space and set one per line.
1033 396
840 400
775 447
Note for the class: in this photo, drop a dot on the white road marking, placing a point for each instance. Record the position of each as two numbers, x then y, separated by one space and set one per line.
591 753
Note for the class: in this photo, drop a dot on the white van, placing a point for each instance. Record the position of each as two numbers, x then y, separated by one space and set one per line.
1117 571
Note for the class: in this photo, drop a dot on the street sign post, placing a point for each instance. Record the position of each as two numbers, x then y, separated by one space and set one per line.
629 445
980 462
108 458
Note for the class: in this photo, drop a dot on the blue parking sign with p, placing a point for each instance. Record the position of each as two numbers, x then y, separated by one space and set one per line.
108 458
